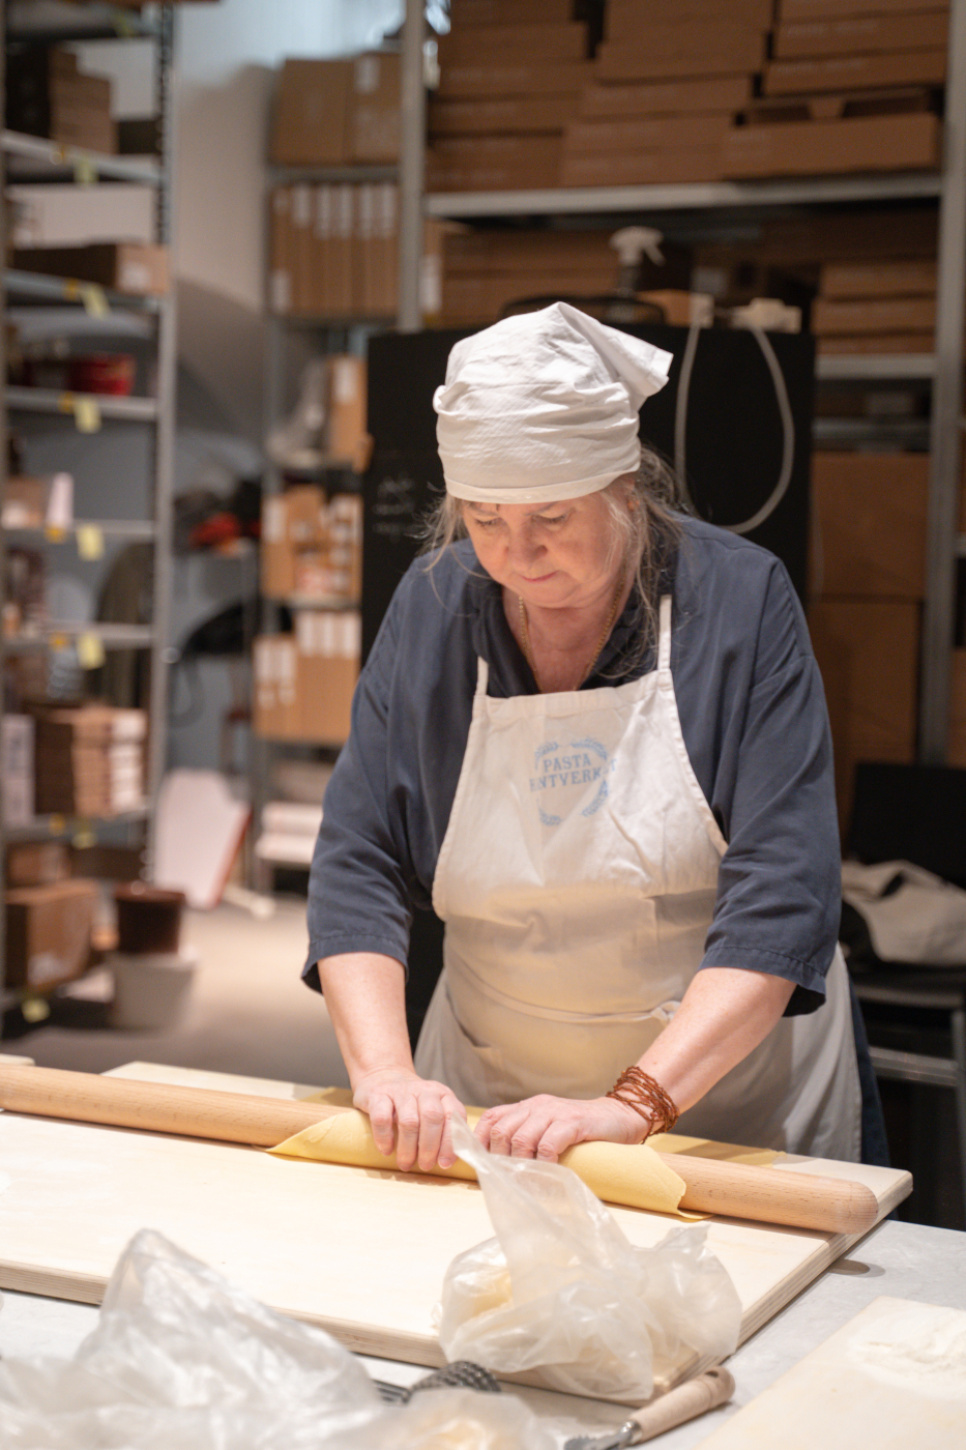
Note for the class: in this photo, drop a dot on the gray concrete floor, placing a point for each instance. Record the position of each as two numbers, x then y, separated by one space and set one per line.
247 1010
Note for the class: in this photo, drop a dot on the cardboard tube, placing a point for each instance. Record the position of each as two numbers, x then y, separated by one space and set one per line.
736 1190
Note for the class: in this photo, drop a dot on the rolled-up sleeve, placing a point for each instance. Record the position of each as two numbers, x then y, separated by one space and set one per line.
359 899
778 899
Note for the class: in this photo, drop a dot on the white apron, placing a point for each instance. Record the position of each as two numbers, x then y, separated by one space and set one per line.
577 881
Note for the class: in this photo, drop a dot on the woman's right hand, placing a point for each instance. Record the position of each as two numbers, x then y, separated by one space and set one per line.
410 1114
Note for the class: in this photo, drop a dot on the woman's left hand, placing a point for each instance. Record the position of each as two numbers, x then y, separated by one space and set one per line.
544 1127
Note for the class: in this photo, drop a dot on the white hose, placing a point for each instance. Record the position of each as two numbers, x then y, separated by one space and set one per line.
785 412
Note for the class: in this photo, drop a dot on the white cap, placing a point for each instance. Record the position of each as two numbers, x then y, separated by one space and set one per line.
543 406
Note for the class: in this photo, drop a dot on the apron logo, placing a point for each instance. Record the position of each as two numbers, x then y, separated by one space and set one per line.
567 769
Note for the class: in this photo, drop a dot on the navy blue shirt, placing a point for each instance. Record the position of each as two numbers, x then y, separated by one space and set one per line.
753 716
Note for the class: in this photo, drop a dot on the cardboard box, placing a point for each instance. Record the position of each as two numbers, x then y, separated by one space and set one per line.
17 769
693 49
346 423
513 78
312 106
471 253
49 932
694 163
868 655
855 73
375 108
849 236
956 750
509 12
868 525
275 704
878 279
872 314
543 42
646 133
376 255
139 269
492 163
281 243
885 344
276 555
501 114
37 863
626 19
469 300
665 98
796 10
25 503
858 143
329 645
861 34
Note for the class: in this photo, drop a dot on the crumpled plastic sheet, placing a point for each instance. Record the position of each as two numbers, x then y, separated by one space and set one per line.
560 1289
182 1360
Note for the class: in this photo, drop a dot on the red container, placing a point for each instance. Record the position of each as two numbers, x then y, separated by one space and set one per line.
103 372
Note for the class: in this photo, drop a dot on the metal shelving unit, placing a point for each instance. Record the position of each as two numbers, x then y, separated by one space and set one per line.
693 202
93 310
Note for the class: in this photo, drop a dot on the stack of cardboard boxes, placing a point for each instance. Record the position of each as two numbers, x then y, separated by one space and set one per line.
867 583
303 682
334 245
89 761
876 307
510 74
337 112
312 546
849 88
665 84
335 250
48 95
485 272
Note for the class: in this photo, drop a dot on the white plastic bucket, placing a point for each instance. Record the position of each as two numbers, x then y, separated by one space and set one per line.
151 989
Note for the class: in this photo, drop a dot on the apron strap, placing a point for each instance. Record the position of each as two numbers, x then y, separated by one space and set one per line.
482 675
664 638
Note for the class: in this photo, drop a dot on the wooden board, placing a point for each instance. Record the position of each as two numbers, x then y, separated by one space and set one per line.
893 1377
361 1253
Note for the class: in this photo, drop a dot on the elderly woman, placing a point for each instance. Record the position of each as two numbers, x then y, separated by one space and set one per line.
592 734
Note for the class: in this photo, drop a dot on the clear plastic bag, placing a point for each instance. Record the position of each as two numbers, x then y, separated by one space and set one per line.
182 1359
562 1291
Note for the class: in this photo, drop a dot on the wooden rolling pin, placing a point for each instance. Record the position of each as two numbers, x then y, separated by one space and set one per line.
736 1190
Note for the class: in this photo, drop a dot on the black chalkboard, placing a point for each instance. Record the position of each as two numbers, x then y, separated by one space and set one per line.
734 442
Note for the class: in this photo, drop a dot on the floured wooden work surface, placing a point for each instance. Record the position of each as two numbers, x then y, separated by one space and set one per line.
360 1252
893 1377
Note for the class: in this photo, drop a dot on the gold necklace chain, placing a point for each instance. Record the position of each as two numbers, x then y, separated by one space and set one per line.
602 639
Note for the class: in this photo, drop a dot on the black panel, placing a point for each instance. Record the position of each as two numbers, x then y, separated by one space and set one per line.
733 442
911 813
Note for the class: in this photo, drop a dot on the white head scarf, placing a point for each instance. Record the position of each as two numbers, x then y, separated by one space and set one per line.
543 407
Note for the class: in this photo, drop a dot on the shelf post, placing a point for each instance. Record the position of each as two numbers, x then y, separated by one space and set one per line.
163 438
412 167
947 408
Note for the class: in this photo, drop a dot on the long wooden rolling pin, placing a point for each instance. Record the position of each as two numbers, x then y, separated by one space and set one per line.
737 1190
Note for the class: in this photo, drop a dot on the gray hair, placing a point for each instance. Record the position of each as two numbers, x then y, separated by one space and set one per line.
646 534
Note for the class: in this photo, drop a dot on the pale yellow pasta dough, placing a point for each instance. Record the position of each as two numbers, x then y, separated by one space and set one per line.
633 1176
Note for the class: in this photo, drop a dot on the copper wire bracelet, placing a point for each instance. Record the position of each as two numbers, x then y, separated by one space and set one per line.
636 1089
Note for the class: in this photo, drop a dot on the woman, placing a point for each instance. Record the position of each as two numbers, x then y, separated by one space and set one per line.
593 735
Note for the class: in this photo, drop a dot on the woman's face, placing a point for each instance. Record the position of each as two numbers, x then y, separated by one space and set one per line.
554 556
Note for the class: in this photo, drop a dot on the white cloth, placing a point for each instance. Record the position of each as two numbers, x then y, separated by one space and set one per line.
912 915
577 881
543 407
